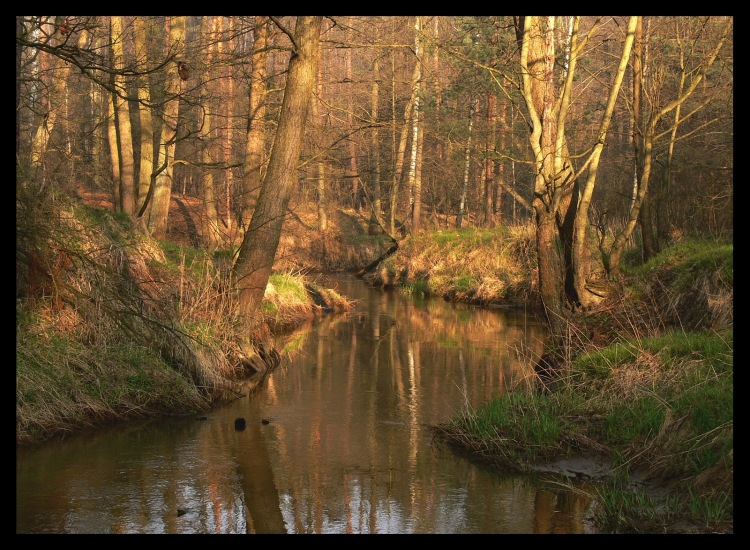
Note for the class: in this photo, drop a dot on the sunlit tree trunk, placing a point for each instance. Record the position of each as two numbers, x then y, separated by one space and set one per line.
537 64
162 195
229 133
376 200
467 165
414 208
581 228
416 218
402 141
321 165
256 133
256 256
146 167
211 31
353 167
438 87
489 164
125 151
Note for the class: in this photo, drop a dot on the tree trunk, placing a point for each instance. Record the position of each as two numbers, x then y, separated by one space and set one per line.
467 164
414 210
146 166
397 169
256 131
125 132
226 150
580 254
375 226
321 167
537 64
489 164
416 215
353 167
210 30
159 215
255 260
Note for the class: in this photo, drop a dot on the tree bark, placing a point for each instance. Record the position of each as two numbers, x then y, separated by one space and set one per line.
210 30
414 209
375 226
467 164
256 130
321 169
148 152
124 128
159 214
402 143
256 256
579 257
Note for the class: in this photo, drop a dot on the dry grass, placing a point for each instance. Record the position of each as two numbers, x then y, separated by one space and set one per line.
481 266
122 330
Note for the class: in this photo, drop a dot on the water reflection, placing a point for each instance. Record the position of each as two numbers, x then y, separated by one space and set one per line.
345 449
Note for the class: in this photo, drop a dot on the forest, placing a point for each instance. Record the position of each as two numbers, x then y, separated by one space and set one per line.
414 121
604 140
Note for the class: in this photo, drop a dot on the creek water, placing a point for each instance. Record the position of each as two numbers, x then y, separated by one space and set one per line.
335 440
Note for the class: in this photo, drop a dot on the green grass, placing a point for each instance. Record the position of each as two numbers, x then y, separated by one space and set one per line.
289 287
661 404
689 260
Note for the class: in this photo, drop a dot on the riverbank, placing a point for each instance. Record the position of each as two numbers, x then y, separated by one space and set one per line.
112 325
642 392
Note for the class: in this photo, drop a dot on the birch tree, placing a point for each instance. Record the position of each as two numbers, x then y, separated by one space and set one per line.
415 188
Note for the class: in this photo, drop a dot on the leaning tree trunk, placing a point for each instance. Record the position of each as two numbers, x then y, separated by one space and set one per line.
255 260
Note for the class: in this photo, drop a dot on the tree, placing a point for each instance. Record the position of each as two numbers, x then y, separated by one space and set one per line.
124 130
560 204
649 131
148 151
162 187
467 163
210 32
254 262
376 225
415 178
256 127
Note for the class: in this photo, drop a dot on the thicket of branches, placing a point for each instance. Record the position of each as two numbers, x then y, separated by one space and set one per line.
453 83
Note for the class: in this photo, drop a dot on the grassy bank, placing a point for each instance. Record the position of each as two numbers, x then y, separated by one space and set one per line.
113 326
647 391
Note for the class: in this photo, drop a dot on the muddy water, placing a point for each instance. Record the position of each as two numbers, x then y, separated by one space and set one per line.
334 441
